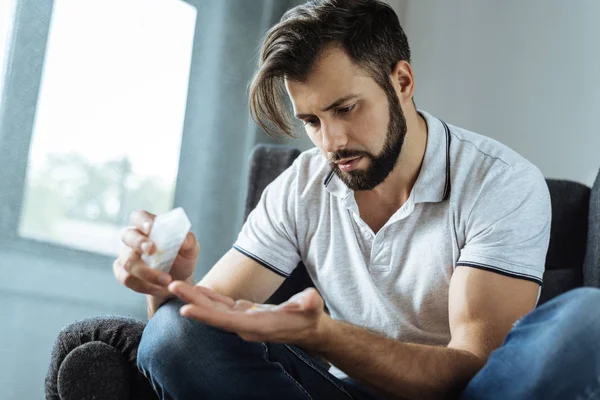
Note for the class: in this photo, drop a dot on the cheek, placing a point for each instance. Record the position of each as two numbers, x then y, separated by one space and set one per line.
371 130
314 138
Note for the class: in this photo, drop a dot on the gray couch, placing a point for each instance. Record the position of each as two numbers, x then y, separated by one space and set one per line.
95 358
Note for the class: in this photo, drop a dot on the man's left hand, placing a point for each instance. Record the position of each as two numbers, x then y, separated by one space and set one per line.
301 320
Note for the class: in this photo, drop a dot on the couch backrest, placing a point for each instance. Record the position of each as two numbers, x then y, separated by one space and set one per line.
568 237
267 161
591 269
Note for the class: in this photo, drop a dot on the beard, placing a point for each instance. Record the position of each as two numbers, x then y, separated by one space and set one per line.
382 164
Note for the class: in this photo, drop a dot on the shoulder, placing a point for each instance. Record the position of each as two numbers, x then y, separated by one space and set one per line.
479 163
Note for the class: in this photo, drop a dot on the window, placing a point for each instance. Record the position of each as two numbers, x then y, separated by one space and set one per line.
108 126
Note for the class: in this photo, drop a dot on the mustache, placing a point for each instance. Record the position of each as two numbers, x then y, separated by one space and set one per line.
346 153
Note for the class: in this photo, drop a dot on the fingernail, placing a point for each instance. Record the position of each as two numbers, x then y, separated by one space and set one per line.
164 280
146 226
146 247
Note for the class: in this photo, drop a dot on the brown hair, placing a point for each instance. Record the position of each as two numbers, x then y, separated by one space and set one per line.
368 30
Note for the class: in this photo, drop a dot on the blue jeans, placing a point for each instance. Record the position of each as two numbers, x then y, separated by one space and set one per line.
552 353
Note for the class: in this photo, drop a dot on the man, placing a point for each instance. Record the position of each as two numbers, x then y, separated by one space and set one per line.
426 242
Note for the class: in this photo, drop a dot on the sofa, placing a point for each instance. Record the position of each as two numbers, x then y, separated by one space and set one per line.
95 358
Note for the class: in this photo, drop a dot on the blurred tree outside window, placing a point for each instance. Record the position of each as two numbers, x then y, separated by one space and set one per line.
109 120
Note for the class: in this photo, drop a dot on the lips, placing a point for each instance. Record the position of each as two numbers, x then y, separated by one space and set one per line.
349 164
348 160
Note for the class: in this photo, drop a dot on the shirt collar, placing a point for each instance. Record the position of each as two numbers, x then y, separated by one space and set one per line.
433 183
336 186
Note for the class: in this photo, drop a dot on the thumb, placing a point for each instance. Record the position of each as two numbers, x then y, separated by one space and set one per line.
307 300
190 247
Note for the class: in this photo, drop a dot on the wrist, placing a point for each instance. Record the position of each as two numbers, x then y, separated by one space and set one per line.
320 338
154 302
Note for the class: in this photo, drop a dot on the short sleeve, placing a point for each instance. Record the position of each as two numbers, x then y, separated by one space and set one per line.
269 234
508 228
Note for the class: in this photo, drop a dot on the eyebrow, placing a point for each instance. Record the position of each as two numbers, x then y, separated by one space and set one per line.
335 104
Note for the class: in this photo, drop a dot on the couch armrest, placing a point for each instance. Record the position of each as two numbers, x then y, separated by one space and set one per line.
96 358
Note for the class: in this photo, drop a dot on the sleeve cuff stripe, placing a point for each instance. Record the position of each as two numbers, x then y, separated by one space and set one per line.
500 271
261 261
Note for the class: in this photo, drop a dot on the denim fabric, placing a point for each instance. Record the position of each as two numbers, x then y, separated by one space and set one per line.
553 353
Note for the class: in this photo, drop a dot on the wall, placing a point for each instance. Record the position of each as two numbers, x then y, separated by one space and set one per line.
524 73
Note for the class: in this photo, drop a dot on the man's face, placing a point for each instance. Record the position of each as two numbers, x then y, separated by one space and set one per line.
358 125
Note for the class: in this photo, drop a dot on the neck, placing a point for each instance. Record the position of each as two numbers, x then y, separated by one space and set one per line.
396 188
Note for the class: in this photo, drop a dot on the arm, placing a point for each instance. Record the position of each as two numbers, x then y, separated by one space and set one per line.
482 308
239 277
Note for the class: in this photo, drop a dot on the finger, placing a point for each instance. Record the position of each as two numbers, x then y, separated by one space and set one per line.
134 265
216 296
243 305
190 247
219 319
135 239
187 293
142 220
309 300
137 284
261 308
239 322
290 306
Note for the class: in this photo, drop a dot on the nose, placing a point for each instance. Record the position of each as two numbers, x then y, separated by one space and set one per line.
333 137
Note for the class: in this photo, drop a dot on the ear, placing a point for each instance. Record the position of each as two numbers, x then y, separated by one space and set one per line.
403 81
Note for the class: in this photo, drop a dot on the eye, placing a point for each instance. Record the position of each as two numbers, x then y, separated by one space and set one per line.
345 110
313 121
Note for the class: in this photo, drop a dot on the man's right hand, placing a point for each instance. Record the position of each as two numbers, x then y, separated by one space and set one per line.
132 272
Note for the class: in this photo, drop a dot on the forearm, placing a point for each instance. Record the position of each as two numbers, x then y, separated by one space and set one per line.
411 371
154 302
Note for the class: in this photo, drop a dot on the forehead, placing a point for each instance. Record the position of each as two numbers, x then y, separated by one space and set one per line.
333 76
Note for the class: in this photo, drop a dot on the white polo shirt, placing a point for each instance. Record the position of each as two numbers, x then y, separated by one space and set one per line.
476 203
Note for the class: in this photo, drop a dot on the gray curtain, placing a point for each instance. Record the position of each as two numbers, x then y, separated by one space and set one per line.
219 133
